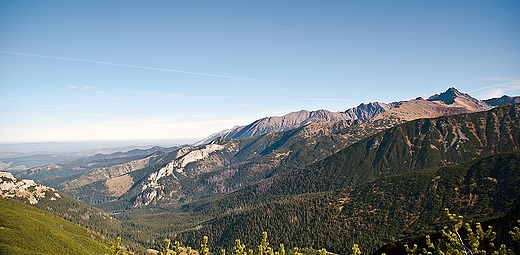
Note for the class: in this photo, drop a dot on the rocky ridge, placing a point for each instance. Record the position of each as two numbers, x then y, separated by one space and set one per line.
106 173
503 100
449 102
298 119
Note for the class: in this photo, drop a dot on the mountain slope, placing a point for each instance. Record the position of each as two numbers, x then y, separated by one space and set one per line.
418 109
300 118
341 134
408 147
246 161
28 230
277 124
502 226
376 212
51 200
503 100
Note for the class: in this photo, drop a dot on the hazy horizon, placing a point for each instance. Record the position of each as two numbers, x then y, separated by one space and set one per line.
81 146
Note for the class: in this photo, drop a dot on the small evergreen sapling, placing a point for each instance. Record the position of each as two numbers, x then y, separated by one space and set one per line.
204 250
356 250
166 247
177 248
116 248
452 243
239 248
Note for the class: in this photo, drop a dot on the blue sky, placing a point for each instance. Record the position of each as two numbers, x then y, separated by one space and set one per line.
119 70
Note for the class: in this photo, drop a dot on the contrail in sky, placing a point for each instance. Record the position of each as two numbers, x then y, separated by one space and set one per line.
124 65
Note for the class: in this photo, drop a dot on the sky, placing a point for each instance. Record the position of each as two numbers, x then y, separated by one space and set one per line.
137 70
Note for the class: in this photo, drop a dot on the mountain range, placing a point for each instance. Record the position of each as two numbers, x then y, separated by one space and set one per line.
300 174
451 98
227 165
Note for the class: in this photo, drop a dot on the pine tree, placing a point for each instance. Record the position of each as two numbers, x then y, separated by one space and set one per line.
282 250
295 251
263 248
515 234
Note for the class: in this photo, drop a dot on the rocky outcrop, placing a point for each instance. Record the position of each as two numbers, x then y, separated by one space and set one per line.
12 187
152 189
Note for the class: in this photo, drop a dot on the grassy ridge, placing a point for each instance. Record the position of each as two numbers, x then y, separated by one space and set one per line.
28 230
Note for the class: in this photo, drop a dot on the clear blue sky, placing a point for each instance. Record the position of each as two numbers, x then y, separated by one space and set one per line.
116 70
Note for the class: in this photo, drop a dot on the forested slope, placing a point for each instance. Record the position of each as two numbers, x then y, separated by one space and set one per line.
409 147
376 212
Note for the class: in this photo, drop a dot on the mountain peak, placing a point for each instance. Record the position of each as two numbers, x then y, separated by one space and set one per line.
453 97
449 96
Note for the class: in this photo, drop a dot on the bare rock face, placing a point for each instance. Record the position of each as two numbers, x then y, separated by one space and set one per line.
12 187
152 189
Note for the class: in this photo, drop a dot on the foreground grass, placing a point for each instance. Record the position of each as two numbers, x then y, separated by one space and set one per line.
28 230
